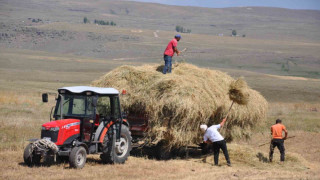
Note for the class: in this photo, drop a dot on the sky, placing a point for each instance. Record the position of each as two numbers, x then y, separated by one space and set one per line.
290 4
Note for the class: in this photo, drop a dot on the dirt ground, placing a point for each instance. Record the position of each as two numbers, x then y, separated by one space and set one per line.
302 162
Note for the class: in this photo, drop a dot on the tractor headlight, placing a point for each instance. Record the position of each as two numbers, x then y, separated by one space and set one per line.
54 129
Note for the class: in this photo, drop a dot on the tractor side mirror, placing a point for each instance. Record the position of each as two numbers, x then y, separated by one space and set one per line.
94 101
45 97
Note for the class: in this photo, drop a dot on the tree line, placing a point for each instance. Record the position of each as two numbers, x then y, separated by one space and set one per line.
100 22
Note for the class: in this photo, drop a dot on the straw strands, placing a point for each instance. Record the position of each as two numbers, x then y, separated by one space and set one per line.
177 103
238 91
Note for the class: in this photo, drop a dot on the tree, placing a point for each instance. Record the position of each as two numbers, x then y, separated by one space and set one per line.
178 28
85 20
182 29
234 32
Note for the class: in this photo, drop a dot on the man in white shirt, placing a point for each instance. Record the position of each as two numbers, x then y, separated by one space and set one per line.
212 135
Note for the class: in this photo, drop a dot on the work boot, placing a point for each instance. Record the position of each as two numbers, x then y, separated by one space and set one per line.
229 164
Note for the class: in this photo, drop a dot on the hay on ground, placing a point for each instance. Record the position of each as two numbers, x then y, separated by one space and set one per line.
177 103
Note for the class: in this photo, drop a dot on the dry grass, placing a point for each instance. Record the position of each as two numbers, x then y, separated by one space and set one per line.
298 116
241 154
20 118
178 103
246 165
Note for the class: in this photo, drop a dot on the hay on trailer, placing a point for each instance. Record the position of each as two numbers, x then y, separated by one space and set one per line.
177 103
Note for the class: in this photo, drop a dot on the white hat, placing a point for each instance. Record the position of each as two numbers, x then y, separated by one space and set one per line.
203 127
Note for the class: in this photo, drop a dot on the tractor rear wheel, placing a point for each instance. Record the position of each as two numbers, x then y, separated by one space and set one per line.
116 154
78 157
29 156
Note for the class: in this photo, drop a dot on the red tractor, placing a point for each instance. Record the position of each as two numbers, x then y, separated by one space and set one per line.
87 120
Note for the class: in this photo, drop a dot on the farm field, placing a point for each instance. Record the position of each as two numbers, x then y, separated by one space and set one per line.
22 114
279 57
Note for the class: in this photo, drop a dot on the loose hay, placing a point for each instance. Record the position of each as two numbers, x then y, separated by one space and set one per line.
248 156
238 91
178 103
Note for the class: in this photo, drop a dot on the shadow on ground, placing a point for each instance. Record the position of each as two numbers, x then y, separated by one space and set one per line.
161 153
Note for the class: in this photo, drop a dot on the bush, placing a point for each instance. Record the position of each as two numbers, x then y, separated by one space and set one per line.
234 32
101 22
85 20
182 29
36 20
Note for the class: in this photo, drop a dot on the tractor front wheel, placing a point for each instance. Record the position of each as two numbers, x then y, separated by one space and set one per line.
29 156
78 157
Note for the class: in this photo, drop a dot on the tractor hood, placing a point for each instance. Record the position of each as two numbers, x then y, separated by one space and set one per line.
61 124
61 131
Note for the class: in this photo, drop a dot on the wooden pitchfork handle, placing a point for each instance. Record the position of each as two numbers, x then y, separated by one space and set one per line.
269 142
229 110
183 50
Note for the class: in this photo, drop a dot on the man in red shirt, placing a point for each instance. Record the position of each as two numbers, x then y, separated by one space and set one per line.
169 52
278 140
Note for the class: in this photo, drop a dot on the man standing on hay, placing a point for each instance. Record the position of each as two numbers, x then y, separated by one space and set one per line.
278 140
169 52
212 135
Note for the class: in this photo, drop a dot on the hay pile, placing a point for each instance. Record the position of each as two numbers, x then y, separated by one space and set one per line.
178 103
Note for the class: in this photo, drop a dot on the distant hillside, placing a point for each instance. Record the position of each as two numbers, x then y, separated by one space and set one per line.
254 22
277 41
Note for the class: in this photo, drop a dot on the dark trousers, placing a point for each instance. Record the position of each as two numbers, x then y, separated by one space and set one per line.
167 64
216 150
280 144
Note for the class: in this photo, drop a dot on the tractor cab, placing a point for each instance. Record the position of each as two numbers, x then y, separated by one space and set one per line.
90 105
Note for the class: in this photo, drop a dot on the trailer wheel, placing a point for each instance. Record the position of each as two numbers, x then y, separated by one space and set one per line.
29 156
78 157
116 154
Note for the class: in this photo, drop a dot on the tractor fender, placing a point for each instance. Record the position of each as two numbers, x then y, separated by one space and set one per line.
125 122
83 145
105 130
100 128
70 139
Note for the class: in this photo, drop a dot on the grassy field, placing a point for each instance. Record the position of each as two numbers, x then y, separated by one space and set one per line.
22 114
25 74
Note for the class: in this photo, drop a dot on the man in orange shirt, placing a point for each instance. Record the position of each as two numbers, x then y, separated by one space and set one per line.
278 140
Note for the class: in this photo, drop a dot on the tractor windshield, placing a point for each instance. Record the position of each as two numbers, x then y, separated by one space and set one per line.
74 106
